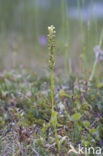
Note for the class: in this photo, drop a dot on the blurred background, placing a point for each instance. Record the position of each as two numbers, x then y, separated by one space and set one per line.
24 28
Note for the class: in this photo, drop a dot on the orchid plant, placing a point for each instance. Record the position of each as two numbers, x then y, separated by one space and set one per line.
53 120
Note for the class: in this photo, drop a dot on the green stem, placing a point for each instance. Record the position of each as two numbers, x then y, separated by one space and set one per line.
52 101
52 90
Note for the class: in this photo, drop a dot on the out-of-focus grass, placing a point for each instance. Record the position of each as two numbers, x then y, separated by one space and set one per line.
31 54
20 36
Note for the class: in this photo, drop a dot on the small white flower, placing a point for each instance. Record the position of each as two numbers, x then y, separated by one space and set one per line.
51 29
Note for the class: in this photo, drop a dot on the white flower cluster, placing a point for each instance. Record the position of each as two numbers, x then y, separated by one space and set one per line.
51 40
51 29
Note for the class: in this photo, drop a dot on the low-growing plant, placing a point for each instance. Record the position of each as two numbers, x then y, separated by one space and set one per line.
53 120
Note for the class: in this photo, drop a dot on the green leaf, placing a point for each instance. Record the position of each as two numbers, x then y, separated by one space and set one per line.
63 94
76 116
54 119
86 123
93 131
